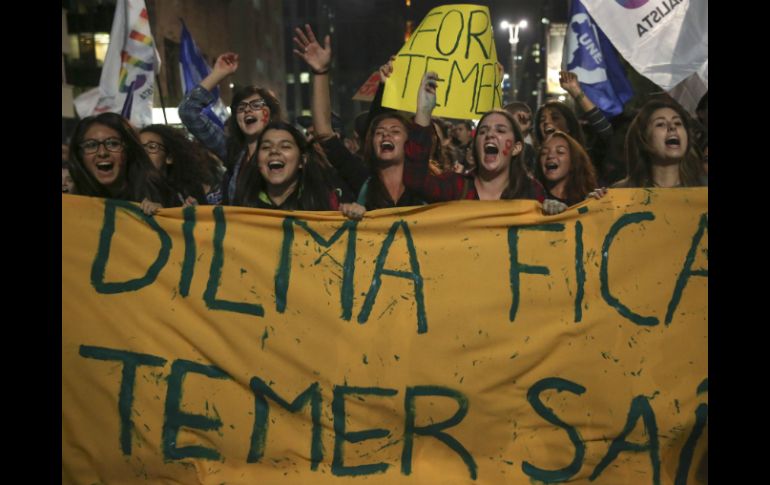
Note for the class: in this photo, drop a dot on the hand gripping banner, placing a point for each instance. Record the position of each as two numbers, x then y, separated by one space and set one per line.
463 342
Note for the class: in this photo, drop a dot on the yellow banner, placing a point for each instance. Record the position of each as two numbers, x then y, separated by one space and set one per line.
463 342
457 42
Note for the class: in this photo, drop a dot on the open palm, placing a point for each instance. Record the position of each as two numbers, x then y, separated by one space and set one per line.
309 50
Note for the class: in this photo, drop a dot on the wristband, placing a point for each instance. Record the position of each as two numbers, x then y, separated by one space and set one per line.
319 73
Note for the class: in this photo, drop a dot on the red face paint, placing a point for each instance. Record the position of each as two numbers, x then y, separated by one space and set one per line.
508 147
265 116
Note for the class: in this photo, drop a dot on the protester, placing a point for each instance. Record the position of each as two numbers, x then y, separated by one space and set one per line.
107 160
498 148
377 179
565 170
187 166
252 108
290 175
659 151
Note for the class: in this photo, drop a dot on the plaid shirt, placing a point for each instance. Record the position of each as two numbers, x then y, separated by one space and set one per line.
197 123
211 135
447 186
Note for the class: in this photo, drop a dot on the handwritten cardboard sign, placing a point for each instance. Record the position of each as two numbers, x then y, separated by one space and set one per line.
457 42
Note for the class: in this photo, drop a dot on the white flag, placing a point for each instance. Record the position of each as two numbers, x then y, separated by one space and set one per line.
664 40
130 64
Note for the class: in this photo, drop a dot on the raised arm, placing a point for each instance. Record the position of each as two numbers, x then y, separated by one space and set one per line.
191 107
570 83
376 107
350 167
319 59
225 65
417 176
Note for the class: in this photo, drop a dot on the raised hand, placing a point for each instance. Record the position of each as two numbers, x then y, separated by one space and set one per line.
226 64
387 69
309 50
569 82
426 98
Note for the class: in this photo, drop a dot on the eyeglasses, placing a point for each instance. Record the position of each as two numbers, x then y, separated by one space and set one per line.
154 147
111 144
254 105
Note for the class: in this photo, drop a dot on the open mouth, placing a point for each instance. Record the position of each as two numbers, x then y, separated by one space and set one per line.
105 166
275 165
548 130
491 149
549 166
387 146
673 142
250 119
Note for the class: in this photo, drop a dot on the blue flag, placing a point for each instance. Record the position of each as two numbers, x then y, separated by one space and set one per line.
589 54
194 69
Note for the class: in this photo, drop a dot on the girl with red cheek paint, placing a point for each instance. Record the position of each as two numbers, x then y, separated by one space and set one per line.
497 149
508 148
252 109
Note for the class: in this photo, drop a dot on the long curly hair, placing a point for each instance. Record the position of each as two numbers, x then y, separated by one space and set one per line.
143 180
581 179
188 172
638 149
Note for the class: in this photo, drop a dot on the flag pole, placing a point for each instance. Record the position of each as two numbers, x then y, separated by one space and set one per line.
162 103
155 70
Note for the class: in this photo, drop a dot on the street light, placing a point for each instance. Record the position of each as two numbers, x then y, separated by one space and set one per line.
513 39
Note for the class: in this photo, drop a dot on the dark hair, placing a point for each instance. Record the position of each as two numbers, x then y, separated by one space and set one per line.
142 179
377 195
188 172
638 149
468 124
573 126
315 183
518 179
236 142
581 179
517 106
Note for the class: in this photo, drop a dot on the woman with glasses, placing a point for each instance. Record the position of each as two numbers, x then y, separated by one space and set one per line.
186 166
107 160
251 110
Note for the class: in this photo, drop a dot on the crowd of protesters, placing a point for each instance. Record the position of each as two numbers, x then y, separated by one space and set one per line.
558 157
